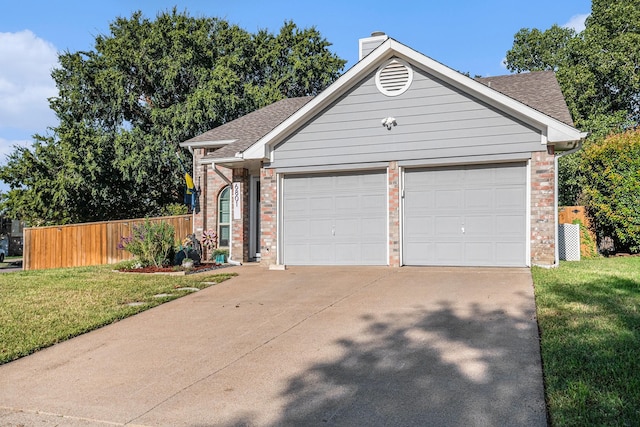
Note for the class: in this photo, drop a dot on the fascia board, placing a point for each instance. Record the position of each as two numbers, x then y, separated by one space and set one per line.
207 144
220 160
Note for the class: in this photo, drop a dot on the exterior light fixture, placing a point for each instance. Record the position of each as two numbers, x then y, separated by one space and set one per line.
389 122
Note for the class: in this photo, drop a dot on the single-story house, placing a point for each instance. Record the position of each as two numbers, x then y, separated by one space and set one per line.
401 161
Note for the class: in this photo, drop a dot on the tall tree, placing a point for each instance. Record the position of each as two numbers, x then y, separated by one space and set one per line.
598 71
124 106
597 68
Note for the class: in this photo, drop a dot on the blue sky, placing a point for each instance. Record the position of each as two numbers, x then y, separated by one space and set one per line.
467 35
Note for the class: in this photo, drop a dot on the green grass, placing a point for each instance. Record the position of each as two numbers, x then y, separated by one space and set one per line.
589 317
41 308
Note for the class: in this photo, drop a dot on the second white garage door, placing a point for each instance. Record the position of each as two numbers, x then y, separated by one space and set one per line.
335 219
465 215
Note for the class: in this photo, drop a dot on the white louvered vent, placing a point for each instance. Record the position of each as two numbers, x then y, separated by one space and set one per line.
394 77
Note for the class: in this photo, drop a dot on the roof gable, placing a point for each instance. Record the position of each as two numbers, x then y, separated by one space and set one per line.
554 130
539 90
237 135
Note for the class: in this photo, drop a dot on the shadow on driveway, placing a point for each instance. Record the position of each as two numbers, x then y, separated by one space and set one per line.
302 347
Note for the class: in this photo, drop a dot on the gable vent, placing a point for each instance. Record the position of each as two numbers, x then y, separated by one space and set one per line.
394 77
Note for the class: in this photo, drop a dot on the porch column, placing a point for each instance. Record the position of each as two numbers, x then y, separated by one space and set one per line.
268 217
240 215
394 214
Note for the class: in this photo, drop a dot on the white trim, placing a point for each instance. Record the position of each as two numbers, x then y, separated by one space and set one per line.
279 203
388 240
401 213
527 220
555 130
206 161
207 144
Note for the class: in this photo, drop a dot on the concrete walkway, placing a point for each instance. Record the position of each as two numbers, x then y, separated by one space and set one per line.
311 346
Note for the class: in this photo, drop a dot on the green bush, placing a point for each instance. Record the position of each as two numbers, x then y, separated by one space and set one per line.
612 189
151 243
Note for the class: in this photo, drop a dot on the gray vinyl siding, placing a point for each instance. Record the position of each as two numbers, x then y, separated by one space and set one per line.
434 120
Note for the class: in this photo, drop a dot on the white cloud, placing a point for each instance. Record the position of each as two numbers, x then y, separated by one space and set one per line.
577 22
26 62
7 147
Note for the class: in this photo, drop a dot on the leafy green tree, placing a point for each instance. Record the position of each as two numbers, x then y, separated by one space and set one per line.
612 189
124 106
597 68
597 71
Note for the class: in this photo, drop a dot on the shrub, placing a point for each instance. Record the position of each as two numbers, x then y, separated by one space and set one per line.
612 189
151 242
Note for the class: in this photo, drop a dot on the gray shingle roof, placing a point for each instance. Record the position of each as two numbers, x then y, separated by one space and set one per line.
539 90
248 129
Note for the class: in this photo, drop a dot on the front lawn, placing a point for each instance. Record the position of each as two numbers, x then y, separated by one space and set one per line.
41 308
589 317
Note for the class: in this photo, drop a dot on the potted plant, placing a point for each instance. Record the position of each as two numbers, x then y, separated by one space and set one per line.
220 255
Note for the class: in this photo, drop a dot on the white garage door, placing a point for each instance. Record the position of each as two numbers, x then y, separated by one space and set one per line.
335 219
465 216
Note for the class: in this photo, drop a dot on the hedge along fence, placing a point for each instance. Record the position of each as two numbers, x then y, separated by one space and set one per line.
93 243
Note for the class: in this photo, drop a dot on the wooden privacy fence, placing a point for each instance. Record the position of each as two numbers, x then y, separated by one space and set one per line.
93 243
568 214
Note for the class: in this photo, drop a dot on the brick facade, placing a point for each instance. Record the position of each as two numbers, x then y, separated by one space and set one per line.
211 184
394 214
268 217
543 218
543 215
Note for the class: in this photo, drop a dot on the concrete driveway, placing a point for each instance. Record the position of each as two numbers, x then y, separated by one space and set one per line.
311 346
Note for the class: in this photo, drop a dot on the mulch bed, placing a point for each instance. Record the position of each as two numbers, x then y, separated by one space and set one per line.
170 269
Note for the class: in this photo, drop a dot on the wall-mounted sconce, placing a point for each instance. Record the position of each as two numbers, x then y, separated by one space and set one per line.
389 122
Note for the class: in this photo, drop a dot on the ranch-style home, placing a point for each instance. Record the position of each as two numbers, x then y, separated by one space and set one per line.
401 161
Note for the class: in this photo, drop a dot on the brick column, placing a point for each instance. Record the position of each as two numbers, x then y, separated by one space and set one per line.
199 175
543 216
268 217
394 214
240 226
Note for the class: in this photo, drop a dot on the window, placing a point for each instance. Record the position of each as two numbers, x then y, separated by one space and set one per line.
224 217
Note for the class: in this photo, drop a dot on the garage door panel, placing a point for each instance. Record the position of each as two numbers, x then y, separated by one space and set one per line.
415 201
487 201
448 199
510 174
373 201
478 198
510 225
447 253
316 228
448 225
345 216
509 253
319 204
509 198
479 253
479 225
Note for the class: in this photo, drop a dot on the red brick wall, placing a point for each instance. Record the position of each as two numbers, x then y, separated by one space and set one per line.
268 217
543 215
394 214
211 184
